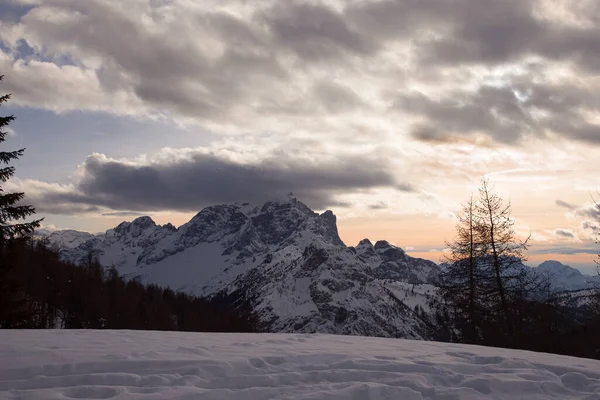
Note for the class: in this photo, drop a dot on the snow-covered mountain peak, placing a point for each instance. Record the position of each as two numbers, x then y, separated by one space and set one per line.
213 224
382 244
565 277
364 243
169 226
67 238
136 227
283 222
553 265
388 251
365 248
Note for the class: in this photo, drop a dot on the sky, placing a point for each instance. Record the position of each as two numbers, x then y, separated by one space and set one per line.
388 112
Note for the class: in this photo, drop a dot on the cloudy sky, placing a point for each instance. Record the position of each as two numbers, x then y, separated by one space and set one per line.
388 112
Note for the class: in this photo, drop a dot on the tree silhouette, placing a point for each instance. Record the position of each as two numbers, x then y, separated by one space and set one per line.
460 281
10 211
13 300
504 256
487 290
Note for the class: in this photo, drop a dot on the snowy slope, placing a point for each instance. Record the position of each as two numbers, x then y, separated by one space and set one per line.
66 239
127 365
281 258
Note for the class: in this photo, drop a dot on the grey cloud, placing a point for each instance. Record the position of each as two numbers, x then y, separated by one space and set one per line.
586 225
336 97
481 32
405 187
378 206
340 204
168 71
588 211
564 233
122 214
53 203
566 205
491 110
315 32
504 113
495 31
566 250
393 20
427 132
491 33
205 179
277 60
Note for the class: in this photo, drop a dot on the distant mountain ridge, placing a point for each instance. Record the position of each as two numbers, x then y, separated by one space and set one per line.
283 259
288 263
564 277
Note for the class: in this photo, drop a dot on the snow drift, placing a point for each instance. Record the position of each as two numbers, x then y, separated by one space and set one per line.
166 365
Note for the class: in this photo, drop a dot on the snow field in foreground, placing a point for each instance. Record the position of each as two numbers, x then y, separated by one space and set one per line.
63 365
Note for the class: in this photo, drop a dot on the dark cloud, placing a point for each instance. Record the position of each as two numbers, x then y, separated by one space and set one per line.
565 250
405 187
491 32
316 32
378 206
587 225
456 33
482 32
491 110
171 72
566 205
336 97
589 210
203 179
53 203
564 233
122 214
505 113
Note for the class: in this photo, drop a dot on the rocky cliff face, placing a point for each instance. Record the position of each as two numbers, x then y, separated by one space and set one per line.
281 258
391 262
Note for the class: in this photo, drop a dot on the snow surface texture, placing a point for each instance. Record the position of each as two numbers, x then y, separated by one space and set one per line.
166 365
282 258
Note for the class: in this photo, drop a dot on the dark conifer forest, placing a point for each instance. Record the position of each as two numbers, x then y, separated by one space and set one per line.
41 291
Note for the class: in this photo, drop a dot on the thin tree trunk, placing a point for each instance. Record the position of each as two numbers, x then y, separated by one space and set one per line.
497 267
472 266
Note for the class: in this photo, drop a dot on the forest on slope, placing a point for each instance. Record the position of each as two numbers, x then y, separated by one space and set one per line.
39 290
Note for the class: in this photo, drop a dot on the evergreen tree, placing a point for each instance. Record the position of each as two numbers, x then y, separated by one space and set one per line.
10 212
13 301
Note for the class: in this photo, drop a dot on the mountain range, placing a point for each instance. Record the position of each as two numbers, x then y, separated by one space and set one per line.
286 262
